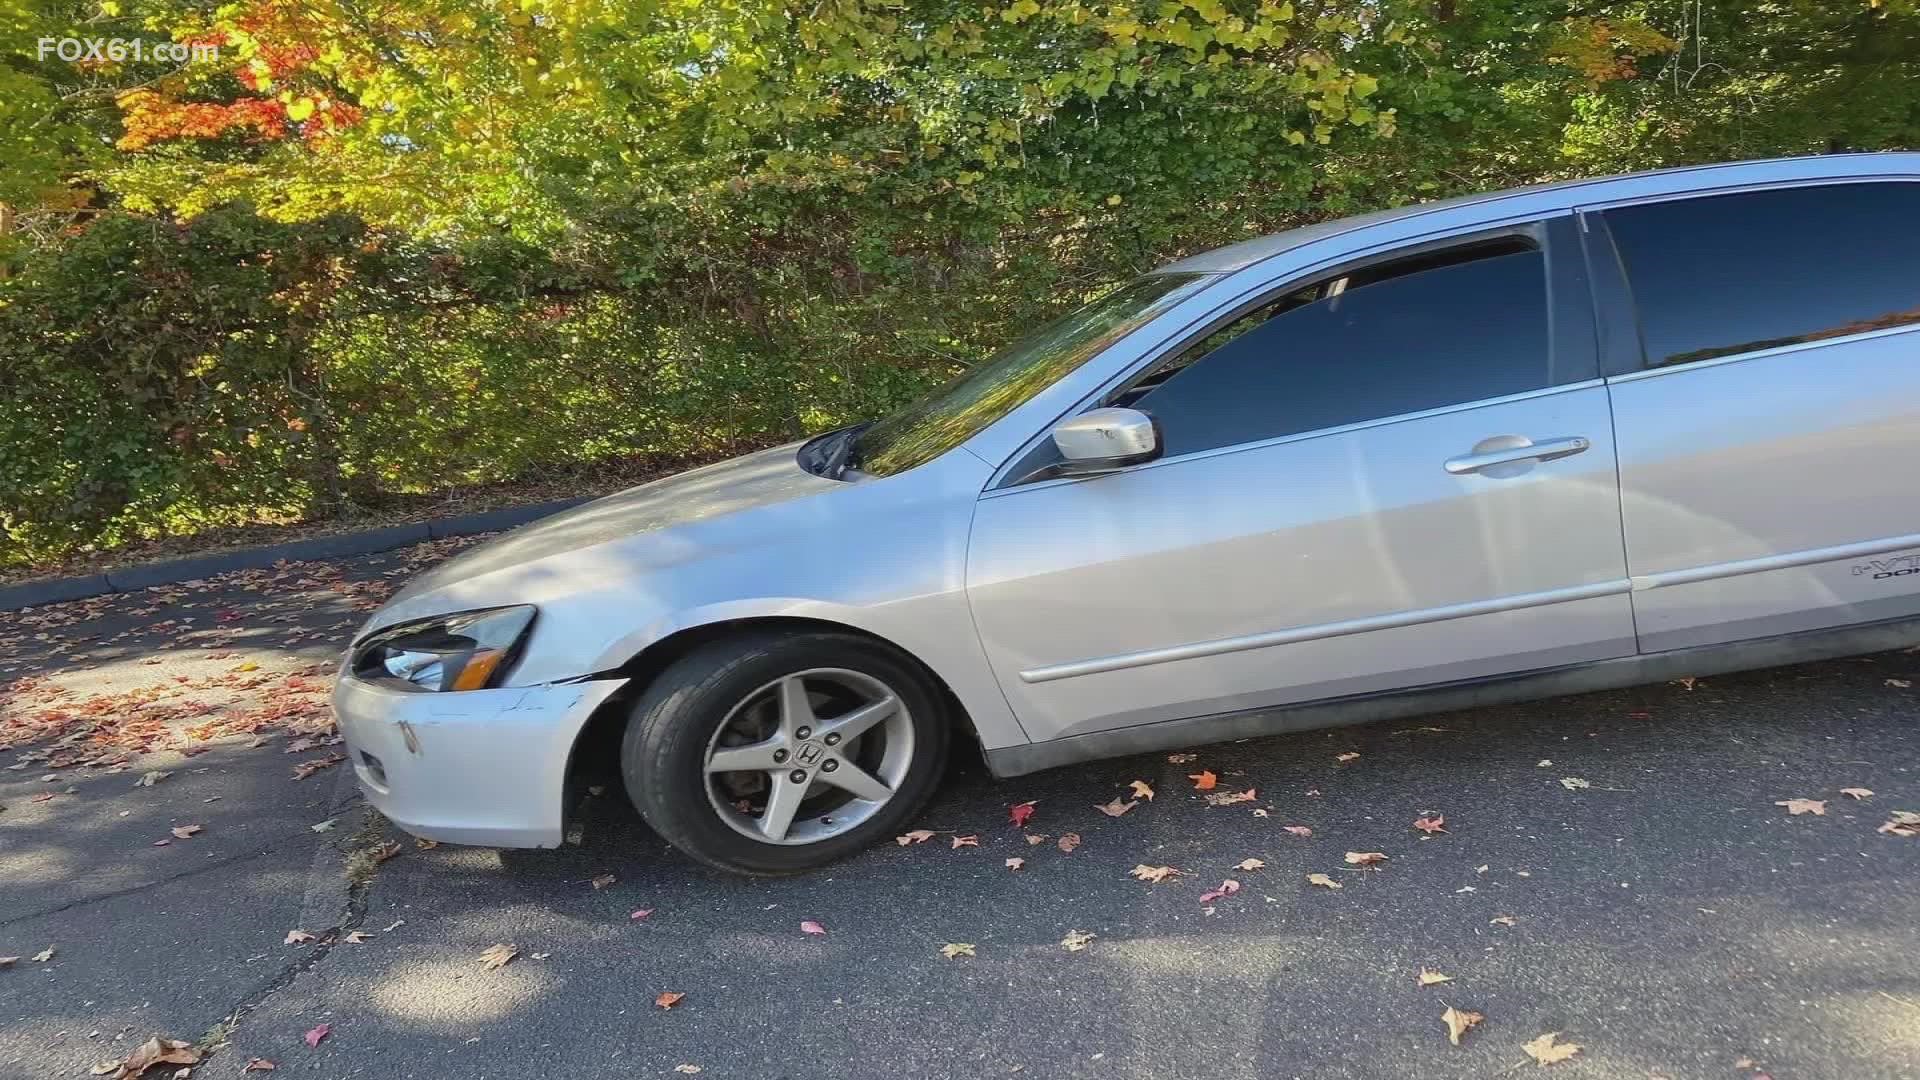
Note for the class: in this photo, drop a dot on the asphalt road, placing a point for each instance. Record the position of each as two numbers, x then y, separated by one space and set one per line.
1665 915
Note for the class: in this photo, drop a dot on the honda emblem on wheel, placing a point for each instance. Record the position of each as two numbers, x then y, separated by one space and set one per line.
809 754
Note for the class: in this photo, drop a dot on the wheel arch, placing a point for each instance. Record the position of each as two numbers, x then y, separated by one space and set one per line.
598 743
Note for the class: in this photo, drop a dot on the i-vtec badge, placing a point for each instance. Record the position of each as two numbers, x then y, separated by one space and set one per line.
1892 566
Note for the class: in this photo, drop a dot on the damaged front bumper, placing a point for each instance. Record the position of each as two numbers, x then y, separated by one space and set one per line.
481 767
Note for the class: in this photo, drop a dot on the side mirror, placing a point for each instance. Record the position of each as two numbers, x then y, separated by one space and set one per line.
1103 440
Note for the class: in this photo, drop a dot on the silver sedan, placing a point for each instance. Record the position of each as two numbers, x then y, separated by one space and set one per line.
1504 447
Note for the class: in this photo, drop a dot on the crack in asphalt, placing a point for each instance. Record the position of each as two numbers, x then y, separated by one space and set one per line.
131 889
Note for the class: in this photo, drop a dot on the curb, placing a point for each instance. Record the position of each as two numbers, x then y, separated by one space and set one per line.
145 576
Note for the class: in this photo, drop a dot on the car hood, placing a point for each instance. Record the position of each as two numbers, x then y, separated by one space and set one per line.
729 487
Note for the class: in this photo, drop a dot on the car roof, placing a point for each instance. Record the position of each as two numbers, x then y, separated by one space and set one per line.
1596 189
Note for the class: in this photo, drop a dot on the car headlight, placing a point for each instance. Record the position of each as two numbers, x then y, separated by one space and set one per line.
449 652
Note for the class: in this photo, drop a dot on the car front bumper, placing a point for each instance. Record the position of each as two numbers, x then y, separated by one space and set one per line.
481 767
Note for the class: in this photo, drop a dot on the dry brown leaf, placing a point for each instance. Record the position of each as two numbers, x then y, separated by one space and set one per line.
308 768
1323 881
667 999
1117 807
917 836
810 926
1076 940
969 840
1351 755
151 778
1153 874
1502 920
1225 888
1366 858
1182 759
498 956
1036 839
1431 978
1902 823
1459 1022
1141 790
1068 841
1299 830
957 948
1900 684
110 1066
1545 1051
601 881
8 961
425 844
259 1065
186 832
1204 780
386 851
1016 863
1796 807
687 1068
157 1051
1249 864
1857 792
356 937
1228 798
297 937
1430 825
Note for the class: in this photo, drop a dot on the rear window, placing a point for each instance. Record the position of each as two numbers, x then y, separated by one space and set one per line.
1731 274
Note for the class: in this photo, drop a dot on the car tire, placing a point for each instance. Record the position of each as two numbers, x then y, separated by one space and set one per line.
772 699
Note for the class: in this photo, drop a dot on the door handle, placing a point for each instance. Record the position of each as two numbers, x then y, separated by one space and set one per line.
1513 449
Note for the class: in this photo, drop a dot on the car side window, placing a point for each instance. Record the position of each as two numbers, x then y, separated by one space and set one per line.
1439 328
1729 274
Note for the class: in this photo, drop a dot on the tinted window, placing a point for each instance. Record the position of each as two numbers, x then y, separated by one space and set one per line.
1457 326
1735 273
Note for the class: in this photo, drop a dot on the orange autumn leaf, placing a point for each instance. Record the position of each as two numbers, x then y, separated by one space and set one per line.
1204 780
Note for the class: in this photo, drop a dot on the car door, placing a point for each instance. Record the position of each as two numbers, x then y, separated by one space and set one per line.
1767 409
1348 502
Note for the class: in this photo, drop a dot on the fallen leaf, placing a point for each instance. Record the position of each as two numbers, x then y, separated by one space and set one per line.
386 851
1431 978
601 881
1902 823
1228 798
43 955
105 1067
498 956
259 1065
151 778
1501 920
1299 830
917 836
1153 874
1366 858
425 844
161 843
1016 863
1796 807
810 927
667 999
394 925
1857 792
1545 1051
297 937
1260 812
1204 780
956 948
1249 864
1323 881
1117 807
1141 790
1182 759
314 1036
1459 1023
640 913
1574 783
689 1069
8 961
1036 839
323 827
1351 755
1068 841
356 937
308 768
1900 684
965 841
1018 813
1076 940
1227 888
157 1051
1543 763
186 832
1430 825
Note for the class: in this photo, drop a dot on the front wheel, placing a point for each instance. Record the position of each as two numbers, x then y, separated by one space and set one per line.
780 752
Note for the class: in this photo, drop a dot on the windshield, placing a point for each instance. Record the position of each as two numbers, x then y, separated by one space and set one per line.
951 414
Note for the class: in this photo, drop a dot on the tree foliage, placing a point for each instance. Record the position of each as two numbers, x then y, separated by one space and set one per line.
382 245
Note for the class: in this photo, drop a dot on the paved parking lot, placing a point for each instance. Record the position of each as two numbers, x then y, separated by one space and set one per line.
1614 868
